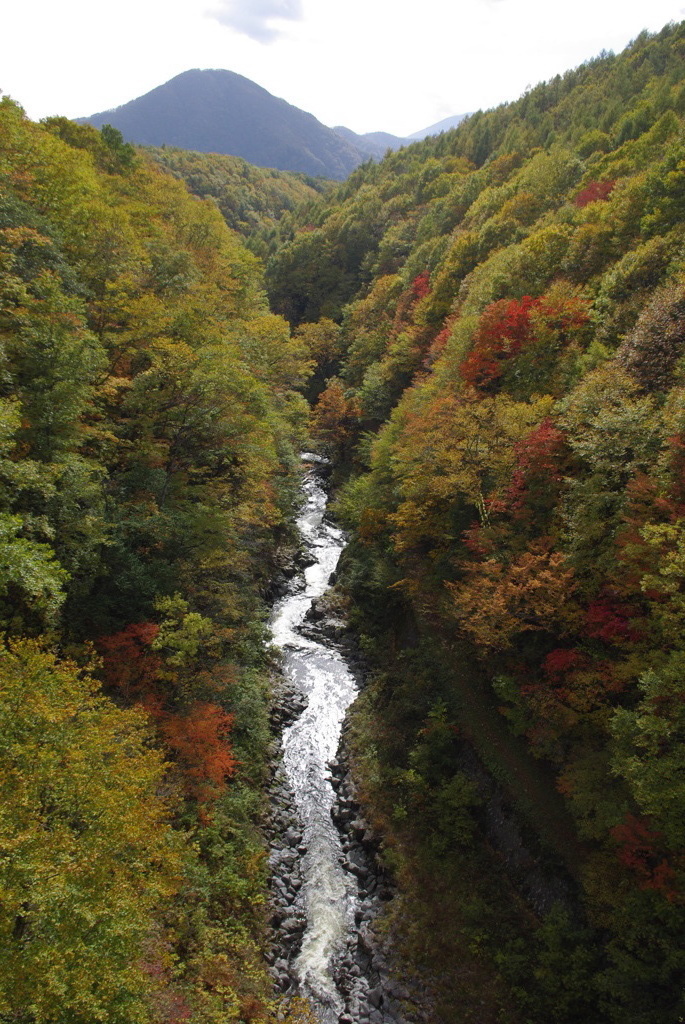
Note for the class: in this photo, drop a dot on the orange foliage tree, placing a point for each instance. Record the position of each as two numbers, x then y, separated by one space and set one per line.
497 601
199 741
335 419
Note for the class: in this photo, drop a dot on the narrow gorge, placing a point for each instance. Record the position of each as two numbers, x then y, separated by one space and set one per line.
326 885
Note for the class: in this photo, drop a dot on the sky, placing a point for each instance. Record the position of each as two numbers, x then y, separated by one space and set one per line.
370 65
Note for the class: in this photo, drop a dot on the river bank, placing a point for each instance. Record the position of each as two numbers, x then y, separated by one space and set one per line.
328 885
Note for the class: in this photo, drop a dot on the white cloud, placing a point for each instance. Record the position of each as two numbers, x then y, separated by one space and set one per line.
254 18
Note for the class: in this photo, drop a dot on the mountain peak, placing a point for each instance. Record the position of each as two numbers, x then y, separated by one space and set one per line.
214 110
219 111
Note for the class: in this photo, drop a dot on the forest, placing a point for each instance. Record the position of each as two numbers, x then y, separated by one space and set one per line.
485 334
151 425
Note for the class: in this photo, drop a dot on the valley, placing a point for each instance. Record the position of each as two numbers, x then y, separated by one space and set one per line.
394 734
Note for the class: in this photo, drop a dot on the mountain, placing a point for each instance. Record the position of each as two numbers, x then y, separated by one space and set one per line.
222 112
373 144
216 111
377 144
436 129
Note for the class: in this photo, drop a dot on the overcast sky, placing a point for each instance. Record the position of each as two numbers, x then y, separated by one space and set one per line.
371 65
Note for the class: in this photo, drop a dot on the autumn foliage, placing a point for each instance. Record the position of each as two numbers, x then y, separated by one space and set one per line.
335 418
199 741
510 327
640 848
497 315
542 459
595 192
420 286
513 331
504 329
129 663
496 602
197 736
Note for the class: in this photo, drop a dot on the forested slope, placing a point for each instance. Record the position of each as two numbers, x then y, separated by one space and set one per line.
492 325
149 430
498 316
253 200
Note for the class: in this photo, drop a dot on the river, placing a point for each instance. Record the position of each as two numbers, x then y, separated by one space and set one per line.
320 674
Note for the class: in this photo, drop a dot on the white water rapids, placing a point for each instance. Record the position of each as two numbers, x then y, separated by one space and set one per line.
320 673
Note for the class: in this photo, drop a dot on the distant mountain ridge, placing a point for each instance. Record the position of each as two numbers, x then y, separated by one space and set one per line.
436 129
374 144
216 111
377 144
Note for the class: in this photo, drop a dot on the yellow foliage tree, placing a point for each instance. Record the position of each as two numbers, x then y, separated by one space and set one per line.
497 602
87 852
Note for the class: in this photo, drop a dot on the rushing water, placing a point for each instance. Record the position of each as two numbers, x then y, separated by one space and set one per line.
320 673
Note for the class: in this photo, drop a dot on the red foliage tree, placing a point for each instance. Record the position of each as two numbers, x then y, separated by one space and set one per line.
129 664
595 191
610 621
420 286
561 661
541 460
641 850
198 737
198 740
573 682
503 330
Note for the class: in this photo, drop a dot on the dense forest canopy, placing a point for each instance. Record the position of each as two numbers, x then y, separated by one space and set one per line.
150 430
253 200
490 326
500 313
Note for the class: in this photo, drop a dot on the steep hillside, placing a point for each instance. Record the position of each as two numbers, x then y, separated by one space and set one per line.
216 111
498 314
253 200
148 452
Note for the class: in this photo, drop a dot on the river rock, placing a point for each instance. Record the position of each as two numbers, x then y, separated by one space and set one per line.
361 971
375 996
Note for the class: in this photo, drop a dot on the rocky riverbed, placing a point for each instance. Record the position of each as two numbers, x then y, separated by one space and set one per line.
327 882
362 971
